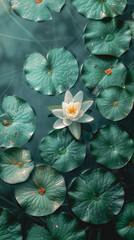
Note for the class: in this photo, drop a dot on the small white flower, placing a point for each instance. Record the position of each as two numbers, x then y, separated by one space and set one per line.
72 113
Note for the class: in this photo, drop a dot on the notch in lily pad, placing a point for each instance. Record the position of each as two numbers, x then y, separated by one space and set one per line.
51 75
17 122
112 147
60 150
43 193
15 165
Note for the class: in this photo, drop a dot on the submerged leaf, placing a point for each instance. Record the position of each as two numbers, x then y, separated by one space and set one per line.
15 165
112 147
60 150
52 75
18 129
105 37
43 192
96 196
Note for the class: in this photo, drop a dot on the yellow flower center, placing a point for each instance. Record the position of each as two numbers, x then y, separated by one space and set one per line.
72 109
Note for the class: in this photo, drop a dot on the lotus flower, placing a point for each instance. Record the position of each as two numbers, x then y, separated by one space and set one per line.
72 113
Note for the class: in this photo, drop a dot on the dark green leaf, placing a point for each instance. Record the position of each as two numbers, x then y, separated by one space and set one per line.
43 192
112 147
52 75
129 83
96 196
37 232
15 165
105 37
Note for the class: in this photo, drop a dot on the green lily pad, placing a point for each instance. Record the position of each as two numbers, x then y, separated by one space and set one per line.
99 9
131 25
43 193
112 147
36 10
37 232
63 226
125 222
15 165
10 228
96 196
52 75
105 37
114 103
60 226
103 71
17 122
60 150
129 83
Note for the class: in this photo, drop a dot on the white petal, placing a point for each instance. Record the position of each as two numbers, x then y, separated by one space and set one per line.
78 97
58 124
86 105
81 113
58 113
68 97
64 106
75 129
67 122
85 118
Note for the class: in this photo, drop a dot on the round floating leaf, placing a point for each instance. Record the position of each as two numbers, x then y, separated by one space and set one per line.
60 150
65 227
17 122
114 103
10 228
103 71
15 165
105 37
125 222
131 25
112 147
36 10
53 75
96 196
43 192
129 84
98 9
37 232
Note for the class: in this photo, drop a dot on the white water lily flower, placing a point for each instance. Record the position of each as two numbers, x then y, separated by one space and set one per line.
72 113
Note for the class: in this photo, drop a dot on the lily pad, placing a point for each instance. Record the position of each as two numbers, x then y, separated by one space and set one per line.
60 150
10 228
112 147
96 196
125 222
63 226
129 83
105 37
103 71
100 9
43 193
52 75
15 165
37 232
36 10
17 122
131 25
114 103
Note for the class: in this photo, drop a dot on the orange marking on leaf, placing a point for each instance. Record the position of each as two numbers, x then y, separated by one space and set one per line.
108 71
20 165
41 190
11 142
49 70
5 123
115 104
38 1
131 224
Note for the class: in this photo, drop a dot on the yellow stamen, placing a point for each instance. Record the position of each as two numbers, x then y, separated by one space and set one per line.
108 71
72 109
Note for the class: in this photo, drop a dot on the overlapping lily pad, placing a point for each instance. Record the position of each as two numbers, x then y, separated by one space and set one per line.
10 228
60 150
36 10
43 192
100 9
105 37
114 103
112 147
60 226
103 71
131 25
96 196
129 83
17 122
125 222
51 75
15 165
